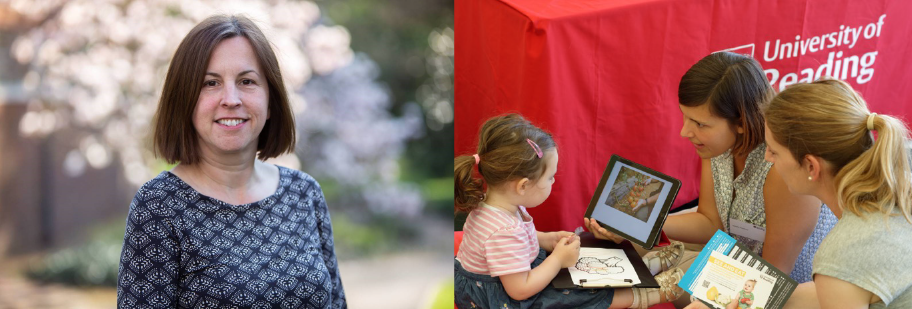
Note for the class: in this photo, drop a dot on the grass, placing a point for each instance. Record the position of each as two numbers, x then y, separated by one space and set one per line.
444 297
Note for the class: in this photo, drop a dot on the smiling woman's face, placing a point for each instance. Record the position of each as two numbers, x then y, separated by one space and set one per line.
233 102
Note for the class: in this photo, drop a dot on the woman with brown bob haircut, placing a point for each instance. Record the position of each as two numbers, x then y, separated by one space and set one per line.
223 228
720 98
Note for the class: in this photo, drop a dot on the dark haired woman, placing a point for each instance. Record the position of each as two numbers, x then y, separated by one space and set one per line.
720 98
223 228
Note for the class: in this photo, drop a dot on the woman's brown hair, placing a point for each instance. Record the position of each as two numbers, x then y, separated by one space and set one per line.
829 120
174 137
504 155
735 87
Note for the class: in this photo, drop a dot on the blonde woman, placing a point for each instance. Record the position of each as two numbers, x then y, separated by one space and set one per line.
821 138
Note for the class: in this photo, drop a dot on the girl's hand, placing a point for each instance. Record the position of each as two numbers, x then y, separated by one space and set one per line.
547 240
567 251
600 232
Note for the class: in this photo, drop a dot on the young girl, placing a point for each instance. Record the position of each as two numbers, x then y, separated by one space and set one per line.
820 137
503 262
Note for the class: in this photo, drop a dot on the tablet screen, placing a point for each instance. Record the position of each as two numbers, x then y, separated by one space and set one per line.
633 200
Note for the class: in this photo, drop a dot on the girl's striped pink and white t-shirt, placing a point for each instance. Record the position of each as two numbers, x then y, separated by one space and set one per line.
496 242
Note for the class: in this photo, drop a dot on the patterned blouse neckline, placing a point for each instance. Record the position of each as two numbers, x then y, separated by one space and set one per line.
748 204
272 197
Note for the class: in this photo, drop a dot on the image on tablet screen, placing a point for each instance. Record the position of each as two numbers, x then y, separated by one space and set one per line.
634 193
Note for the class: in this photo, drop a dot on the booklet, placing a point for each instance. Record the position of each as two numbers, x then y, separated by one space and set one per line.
726 274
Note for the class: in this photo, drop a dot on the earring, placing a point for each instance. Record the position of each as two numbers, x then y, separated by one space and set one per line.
810 178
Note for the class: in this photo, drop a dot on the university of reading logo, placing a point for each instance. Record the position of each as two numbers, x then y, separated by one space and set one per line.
845 65
743 49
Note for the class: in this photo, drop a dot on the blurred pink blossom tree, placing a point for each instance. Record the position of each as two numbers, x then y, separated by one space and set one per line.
97 68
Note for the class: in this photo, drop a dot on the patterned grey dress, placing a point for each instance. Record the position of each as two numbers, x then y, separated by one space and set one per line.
748 205
183 249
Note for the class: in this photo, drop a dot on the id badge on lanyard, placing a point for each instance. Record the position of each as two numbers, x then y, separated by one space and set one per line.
747 230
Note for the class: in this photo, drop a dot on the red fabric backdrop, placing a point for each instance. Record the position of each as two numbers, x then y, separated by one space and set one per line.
602 75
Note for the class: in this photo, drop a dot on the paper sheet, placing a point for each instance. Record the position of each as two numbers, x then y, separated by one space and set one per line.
603 266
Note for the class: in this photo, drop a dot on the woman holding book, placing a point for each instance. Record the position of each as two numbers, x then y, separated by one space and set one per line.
820 136
720 98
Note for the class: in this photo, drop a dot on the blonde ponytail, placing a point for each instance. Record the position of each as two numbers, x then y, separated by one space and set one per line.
828 119
878 180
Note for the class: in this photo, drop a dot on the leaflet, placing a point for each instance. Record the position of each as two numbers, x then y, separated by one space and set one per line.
734 277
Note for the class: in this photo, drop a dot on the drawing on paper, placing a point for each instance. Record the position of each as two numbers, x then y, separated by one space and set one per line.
597 266
603 265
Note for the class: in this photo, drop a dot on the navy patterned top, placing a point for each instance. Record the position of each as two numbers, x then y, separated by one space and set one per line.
183 249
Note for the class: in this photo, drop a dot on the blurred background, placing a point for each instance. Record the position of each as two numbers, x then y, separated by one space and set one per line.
371 85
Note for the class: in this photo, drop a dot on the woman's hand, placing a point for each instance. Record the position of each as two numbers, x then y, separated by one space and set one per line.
549 240
567 250
696 304
600 232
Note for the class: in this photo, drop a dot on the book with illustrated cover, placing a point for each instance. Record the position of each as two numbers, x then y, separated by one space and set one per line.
727 275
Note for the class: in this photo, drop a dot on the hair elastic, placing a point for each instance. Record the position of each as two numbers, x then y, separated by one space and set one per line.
477 158
871 121
538 151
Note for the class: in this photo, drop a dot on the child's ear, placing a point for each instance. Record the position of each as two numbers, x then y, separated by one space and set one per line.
521 186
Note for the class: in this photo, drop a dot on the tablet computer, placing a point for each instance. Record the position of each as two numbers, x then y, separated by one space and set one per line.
632 201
